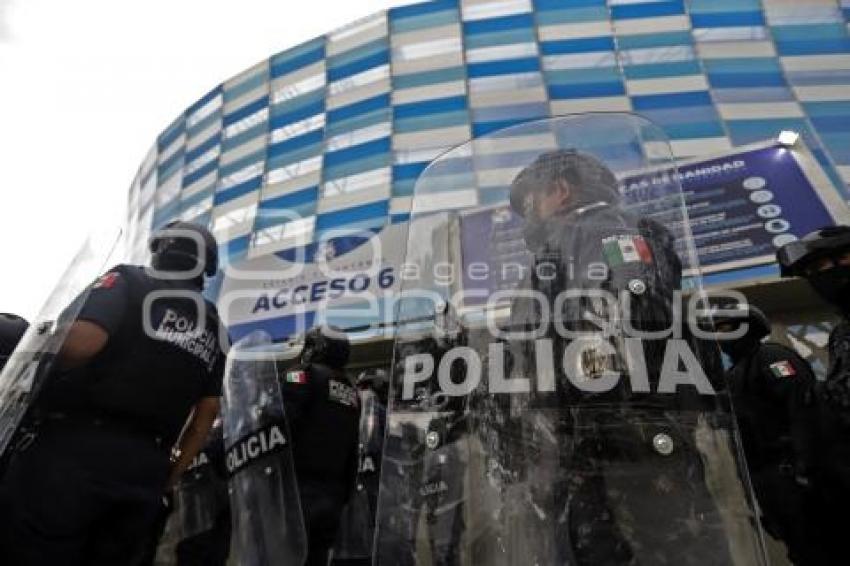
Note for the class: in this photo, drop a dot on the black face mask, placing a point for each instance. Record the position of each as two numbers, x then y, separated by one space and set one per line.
174 262
833 285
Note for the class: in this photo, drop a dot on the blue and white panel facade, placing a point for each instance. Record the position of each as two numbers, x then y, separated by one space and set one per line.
331 135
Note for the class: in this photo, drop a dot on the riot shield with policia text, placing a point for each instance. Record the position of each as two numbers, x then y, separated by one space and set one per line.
268 526
598 428
34 359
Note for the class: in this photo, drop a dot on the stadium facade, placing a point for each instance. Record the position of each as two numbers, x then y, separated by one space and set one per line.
332 134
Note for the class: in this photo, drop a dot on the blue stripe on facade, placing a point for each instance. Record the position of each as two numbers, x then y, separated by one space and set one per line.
208 97
243 162
186 203
236 191
303 203
422 8
426 78
280 119
249 84
347 216
198 127
298 142
813 47
192 154
543 5
672 100
171 133
647 10
496 68
569 15
283 65
505 23
360 65
651 40
740 80
584 45
358 108
368 149
245 111
241 138
661 70
427 107
586 90
199 173
168 167
727 19
431 122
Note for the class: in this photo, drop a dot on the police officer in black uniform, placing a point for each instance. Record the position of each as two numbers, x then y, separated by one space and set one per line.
628 472
772 391
12 329
323 413
823 258
132 404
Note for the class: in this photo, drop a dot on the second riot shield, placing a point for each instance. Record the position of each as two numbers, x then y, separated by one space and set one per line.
268 525
596 427
34 358
356 533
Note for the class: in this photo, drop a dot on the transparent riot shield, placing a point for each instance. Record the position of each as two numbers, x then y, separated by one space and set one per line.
268 526
578 415
200 497
356 533
32 361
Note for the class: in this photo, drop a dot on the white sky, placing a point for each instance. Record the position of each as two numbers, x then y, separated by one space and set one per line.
86 86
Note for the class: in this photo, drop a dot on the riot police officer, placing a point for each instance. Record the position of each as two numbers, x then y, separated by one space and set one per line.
772 391
616 466
823 258
131 405
12 329
323 412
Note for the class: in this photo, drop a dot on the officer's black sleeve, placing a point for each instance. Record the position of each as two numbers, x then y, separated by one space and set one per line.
299 386
107 301
216 377
789 380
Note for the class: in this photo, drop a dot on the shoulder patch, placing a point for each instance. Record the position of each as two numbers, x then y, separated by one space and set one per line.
625 248
783 368
107 280
296 376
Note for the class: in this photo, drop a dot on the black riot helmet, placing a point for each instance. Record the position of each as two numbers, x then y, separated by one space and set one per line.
589 179
726 312
12 329
794 257
184 246
818 258
326 345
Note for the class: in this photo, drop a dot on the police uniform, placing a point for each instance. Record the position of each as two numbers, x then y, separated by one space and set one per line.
629 477
323 413
772 392
91 484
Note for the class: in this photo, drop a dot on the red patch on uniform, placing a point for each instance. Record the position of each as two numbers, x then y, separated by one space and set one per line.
107 280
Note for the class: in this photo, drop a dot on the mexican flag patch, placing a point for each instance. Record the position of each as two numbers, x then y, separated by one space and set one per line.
783 369
625 249
299 377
